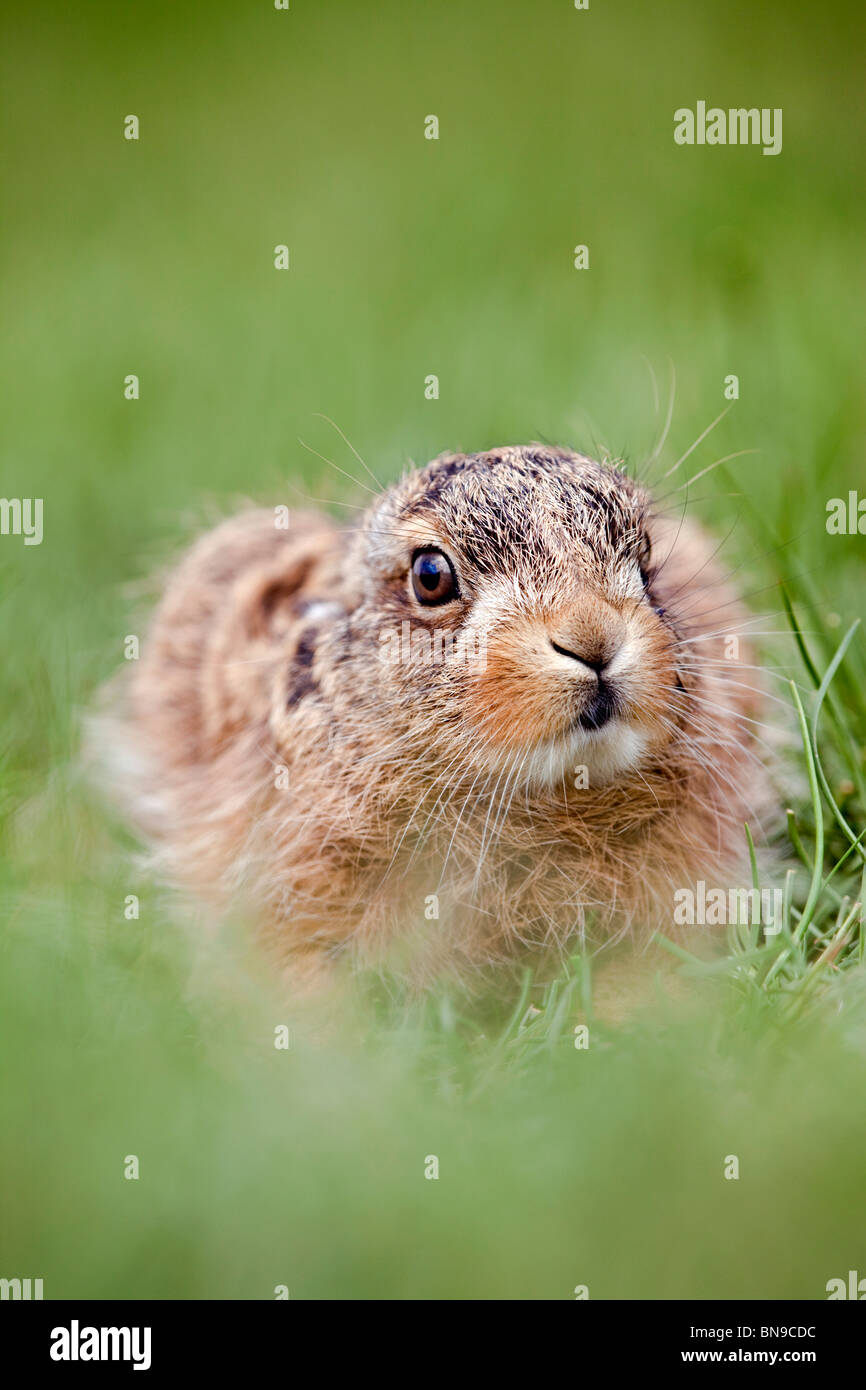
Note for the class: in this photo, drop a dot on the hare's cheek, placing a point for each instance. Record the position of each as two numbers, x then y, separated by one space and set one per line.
514 696
647 682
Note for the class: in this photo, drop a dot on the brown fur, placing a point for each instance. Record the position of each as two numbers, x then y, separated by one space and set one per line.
411 778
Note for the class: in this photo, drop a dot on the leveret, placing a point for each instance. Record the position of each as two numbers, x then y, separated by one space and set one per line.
497 714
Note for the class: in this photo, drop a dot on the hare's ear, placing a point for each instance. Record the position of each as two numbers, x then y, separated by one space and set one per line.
266 596
260 614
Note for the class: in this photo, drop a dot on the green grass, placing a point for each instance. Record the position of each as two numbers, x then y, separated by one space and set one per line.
558 1166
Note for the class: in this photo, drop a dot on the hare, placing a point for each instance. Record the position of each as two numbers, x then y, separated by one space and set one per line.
494 717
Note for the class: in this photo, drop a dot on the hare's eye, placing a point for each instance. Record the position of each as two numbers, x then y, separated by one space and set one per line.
432 577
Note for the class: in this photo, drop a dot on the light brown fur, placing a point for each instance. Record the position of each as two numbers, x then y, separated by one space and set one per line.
411 778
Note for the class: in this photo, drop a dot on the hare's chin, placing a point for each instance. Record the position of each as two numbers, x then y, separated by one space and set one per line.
587 757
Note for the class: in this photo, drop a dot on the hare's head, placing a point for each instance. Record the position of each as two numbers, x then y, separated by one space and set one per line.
514 615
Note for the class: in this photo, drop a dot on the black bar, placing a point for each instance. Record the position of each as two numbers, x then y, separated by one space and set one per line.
235 1336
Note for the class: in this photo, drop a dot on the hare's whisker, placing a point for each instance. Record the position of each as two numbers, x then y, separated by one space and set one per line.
662 440
348 442
700 439
337 468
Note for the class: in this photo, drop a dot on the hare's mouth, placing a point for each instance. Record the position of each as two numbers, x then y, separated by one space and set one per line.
600 710
590 754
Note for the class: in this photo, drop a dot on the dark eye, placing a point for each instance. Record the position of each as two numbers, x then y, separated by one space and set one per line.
432 577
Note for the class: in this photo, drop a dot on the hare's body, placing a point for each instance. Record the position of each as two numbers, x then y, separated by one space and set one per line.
554 746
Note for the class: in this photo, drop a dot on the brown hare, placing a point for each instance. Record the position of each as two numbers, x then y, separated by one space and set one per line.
492 718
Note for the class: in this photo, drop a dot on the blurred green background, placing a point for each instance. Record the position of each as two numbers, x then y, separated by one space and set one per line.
409 257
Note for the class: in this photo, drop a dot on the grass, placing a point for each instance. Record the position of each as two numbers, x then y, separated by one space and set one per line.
558 1165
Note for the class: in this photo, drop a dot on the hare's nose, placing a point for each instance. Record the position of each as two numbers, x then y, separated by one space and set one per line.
595 656
589 633
595 659
603 703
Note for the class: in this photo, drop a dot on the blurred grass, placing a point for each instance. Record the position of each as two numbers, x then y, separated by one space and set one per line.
409 257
